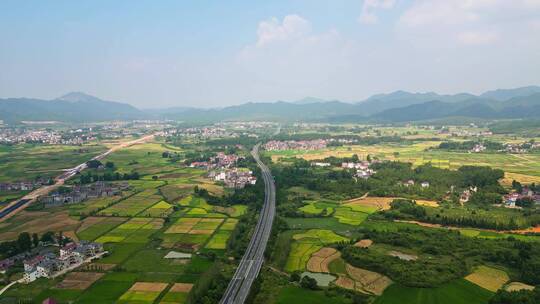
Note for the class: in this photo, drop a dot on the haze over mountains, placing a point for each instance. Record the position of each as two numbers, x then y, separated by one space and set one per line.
398 106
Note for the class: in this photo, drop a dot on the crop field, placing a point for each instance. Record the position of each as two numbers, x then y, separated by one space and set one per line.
151 260
307 243
133 205
37 222
136 230
347 215
177 294
93 204
193 232
160 209
142 293
143 158
294 294
488 278
79 280
195 202
229 224
219 240
371 204
316 207
320 260
93 227
456 292
28 161
108 289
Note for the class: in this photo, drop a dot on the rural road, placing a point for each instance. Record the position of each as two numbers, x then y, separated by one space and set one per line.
253 258
18 205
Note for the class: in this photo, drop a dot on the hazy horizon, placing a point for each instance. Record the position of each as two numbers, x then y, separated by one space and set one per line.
214 55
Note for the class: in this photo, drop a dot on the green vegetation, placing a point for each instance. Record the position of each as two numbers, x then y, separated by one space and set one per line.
456 292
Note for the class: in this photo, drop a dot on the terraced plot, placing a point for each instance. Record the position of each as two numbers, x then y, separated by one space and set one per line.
306 244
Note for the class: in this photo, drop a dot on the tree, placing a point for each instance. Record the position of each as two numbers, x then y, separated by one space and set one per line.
24 242
295 277
93 164
308 283
47 237
109 165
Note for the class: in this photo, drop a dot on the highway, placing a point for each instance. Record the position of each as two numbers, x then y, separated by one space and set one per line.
253 258
22 203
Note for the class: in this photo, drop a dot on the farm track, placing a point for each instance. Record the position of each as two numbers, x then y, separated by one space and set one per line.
251 263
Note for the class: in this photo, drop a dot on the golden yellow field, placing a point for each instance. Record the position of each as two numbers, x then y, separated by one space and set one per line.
488 278
383 203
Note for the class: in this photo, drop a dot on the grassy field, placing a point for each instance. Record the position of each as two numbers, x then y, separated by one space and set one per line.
293 294
456 292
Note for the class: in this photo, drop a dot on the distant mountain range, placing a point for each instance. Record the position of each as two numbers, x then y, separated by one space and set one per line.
73 107
399 106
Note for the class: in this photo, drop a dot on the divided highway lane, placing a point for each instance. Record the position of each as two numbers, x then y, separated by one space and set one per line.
253 258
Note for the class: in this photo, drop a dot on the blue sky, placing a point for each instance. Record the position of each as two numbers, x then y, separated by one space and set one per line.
216 53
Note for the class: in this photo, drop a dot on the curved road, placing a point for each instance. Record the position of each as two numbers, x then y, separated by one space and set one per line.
253 258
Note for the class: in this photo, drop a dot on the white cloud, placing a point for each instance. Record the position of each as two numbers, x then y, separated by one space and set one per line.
292 27
477 38
470 22
368 16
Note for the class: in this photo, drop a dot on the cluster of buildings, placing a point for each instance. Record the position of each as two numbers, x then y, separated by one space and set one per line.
511 199
206 132
520 148
411 183
316 144
234 178
223 168
80 193
24 135
71 256
23 185
362 168
477 148
220 161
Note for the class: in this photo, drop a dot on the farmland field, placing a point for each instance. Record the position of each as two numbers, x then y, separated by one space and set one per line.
457 292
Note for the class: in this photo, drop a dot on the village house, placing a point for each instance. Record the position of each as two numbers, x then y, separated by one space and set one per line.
79 193
320 164
424 184
234 178
73 254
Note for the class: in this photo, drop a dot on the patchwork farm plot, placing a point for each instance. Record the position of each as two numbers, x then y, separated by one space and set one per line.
133 205
143 292
177 294
190 232
136 230
307 243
